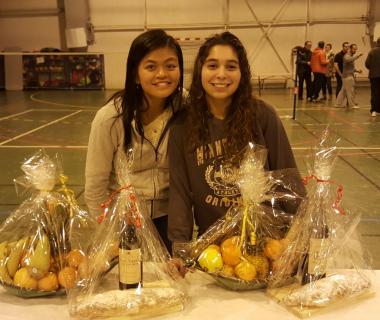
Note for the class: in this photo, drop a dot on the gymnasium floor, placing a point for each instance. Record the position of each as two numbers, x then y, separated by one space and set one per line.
60 122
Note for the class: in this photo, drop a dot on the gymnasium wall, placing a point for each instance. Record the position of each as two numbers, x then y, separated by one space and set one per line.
269 46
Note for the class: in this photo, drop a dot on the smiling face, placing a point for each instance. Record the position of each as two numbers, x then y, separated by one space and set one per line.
220 75
158 74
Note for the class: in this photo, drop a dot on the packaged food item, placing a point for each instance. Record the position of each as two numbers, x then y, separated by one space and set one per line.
240 249
324 261
37 256
130 271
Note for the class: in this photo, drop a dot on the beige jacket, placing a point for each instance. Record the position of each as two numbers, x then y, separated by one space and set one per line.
149 176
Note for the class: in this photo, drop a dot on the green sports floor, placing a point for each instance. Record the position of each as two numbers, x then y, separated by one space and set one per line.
60 121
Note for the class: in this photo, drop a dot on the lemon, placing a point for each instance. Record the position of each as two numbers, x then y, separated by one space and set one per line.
211 259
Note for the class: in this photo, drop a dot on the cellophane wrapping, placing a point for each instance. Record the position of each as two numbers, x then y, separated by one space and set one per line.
40 253
161 290
239 249
324 261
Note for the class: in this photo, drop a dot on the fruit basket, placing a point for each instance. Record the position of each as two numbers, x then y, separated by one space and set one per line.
240 250
234 259
41 253
30 293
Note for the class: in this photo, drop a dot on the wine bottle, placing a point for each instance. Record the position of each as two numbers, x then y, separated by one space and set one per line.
314 264
130 257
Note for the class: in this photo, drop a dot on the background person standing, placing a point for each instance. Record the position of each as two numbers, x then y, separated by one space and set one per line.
338 65
330 70
304 70
346 94
319 67
372 63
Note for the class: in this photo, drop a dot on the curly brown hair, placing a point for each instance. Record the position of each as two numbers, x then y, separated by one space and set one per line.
241 116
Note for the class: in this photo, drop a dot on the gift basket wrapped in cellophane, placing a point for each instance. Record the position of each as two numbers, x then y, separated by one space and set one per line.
324 263
240 248
131 274
37 257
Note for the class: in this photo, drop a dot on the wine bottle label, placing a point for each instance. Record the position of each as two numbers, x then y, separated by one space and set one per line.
130 266
318 252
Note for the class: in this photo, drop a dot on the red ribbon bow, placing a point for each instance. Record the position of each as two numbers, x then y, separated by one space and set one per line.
106 203
339 191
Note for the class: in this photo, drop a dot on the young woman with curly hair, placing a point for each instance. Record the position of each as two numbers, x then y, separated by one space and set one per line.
221 117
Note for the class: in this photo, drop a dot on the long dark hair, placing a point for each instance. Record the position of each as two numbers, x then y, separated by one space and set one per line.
240 117
132 96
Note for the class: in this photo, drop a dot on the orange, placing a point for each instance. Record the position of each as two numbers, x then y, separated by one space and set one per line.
67 277
23 279
245 271
228 271
261 264
273 249
49 282
230 251
74 258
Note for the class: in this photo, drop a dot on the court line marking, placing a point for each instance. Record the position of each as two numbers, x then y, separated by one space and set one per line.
85 147
40 127
17 114
326 108
344 158
62 110
340 148
33 98
44 147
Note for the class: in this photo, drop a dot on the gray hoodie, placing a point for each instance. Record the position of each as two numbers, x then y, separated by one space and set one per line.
149 174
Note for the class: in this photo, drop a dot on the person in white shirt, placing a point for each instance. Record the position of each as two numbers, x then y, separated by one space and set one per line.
346 94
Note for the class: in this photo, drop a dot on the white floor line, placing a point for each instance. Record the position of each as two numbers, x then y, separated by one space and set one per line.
341 148
43 147
41 127
323 108
62 110
17 114
85 147
33 98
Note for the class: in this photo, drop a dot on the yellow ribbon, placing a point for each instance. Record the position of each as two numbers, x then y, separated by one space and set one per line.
70 195
246 221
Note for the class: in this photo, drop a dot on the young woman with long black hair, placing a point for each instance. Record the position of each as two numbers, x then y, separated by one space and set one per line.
138 117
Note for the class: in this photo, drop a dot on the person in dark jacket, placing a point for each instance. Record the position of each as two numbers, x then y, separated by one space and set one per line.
304 71
338 65
372 63
222 117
